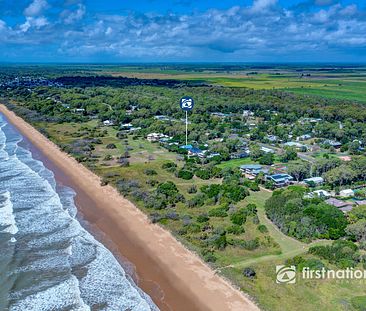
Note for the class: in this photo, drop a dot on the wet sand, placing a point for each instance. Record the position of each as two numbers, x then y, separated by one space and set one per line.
174 277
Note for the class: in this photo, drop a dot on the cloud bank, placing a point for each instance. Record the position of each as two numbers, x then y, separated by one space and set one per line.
263 31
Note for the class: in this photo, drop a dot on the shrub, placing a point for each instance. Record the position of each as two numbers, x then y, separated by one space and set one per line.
185 174
111 146
150 172
239 217
169 165
359 303
192 189
203 174
218 212
209 256
203 218
254 187
262 229
249 272
235 229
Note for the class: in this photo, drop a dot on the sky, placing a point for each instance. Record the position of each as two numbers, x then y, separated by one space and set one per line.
120 31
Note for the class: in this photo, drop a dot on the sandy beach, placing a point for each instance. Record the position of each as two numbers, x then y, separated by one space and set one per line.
173 276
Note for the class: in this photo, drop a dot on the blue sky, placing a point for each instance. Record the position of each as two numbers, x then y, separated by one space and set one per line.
183 30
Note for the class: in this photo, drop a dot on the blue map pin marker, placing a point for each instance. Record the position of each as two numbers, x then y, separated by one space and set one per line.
186 103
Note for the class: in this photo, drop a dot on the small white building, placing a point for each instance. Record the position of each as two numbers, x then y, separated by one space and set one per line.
346 193
153 137
322 193
267 150
108 123
314 180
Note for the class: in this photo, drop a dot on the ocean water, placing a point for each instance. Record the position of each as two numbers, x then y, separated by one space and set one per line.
48 261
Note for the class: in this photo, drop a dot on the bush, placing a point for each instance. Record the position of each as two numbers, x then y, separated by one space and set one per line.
185 174
209 256
150 172
239 217
169 165
341 253
219 241
262 229
196 201
235 229
249 272
218 212
203 174
192 189
254 186
249 245
203 218
111 146
359 303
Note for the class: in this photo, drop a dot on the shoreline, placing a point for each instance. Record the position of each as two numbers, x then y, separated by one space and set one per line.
184 281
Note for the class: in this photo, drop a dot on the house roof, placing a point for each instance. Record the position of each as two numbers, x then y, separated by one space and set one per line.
186 147
251 167
314 179
280 177
346 208
336 202
194 150
361 202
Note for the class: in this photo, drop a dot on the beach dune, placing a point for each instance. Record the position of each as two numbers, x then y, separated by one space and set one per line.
173 276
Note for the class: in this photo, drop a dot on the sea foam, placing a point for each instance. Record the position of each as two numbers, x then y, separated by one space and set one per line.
55 263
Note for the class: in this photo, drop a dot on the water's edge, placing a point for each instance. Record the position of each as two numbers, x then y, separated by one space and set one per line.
47 259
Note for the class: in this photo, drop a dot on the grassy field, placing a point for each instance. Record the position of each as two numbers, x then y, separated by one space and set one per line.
340 84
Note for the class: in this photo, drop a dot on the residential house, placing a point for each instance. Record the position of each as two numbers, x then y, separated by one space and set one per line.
162 118
321 193
126 126
342 205
154 137
298 146
108 123
333 143
346 193
252 170
280 180
316 181
267 150
247 113
272 138
303 137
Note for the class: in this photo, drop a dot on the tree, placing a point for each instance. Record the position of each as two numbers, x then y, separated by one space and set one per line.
255 152
299 171
267 159
340 175
357 230
289 155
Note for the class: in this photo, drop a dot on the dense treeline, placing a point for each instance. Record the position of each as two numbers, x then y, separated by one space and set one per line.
304 219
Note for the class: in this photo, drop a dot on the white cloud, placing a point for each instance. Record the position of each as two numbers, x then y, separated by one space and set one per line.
73 16
263 29
2 25
30 22
260 5
36 8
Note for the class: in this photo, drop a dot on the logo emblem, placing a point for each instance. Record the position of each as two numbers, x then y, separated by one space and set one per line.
285 274
186 103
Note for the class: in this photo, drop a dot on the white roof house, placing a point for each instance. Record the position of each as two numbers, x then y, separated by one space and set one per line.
315 180
267 150
322 193
347 193
156 136
108 122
